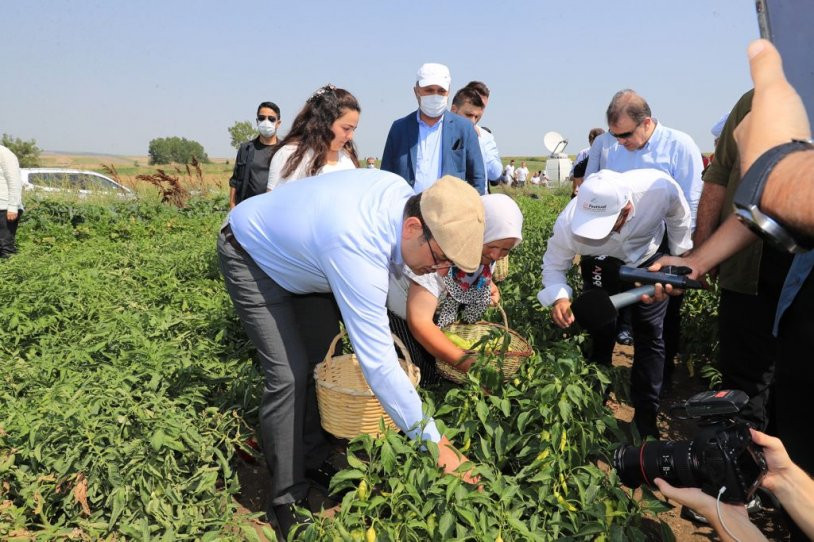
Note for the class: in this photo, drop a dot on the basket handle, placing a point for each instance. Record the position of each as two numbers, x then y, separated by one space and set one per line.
396 340
503 313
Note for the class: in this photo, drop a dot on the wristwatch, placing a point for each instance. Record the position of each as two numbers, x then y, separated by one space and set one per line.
750 190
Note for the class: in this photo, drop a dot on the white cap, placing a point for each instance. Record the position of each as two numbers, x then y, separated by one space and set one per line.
600 199
719 126
433 74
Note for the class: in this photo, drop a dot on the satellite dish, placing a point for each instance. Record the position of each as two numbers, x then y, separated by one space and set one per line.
558 165
555 143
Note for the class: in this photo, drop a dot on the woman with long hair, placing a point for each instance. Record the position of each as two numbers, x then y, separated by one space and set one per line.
320 140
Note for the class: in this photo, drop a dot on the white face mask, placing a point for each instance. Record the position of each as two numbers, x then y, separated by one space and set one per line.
433 105
267 128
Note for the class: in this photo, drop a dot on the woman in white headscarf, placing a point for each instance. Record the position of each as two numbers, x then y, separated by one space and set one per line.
413 300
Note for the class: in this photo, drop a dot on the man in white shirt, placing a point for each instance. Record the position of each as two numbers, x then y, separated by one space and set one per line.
284 253
508 173
622 216
521 174
469 104
488 147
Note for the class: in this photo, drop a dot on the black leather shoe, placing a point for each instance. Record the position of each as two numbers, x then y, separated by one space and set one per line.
322 475
285 516
624 337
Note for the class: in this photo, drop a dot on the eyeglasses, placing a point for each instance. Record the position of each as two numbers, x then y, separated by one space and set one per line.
625 135
438 263
261 118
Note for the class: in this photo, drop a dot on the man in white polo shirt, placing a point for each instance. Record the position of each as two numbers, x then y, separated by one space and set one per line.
622 216
340 233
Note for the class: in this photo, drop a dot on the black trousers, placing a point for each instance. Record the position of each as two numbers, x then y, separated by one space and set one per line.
748 349
794 379
8 234
418 354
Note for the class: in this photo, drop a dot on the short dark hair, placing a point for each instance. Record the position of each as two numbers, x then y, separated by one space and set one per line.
467 95
479 87
594 133
269 105
627 102
413 208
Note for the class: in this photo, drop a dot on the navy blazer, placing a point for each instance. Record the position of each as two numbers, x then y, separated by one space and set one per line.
460 151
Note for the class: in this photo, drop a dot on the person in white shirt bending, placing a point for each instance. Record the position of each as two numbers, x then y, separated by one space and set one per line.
621 218
320 140
295 259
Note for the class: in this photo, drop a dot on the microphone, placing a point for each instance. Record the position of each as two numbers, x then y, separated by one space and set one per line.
595 308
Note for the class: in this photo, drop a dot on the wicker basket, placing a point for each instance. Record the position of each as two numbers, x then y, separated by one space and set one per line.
347 405
518 350
501 269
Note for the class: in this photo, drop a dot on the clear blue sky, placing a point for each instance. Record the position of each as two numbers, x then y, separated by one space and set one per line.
108 76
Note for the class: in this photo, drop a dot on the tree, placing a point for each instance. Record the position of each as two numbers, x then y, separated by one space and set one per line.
26 152
164 150
241 131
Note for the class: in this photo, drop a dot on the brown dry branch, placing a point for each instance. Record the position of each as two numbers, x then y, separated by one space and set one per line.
111 170
168 186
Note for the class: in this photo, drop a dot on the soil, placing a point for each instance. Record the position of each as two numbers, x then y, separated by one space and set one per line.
255 480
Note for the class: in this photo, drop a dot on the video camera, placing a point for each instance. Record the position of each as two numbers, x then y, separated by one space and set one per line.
721 454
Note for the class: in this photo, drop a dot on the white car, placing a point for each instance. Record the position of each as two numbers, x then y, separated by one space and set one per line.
71 180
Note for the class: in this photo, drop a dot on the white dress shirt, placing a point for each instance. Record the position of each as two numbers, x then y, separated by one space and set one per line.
341 233
657 204
491 157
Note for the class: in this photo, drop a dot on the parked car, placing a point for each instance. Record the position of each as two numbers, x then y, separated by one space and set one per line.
71 180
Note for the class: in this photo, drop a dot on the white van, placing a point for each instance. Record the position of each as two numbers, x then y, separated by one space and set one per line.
71 180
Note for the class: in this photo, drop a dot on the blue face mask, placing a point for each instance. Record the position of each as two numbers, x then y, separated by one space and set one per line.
267 128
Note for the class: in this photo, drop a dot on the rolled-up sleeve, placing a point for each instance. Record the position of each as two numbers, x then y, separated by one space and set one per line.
557 260
360 289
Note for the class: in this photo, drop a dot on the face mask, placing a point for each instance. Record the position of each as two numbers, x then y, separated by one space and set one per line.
266 128
433 105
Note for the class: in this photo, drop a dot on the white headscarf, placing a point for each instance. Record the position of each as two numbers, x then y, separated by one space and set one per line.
503 218
719 126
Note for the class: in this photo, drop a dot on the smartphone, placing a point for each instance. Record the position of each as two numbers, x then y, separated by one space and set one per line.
789 25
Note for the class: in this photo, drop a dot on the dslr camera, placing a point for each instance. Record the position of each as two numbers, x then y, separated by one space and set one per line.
721 454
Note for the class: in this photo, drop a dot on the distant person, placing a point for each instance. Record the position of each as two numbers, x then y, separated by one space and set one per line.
371 162
431 142
508 173
521 174
250 175
11 202
535 179
576 180
320 140
488 147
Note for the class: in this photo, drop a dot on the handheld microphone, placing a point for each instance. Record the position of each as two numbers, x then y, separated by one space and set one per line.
595 308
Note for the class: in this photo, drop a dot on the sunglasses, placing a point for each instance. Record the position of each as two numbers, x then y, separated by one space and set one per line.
261 118
624 135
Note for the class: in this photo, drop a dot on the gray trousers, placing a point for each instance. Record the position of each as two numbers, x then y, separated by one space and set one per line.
291 333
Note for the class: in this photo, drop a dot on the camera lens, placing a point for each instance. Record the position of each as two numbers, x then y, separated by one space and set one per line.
669 460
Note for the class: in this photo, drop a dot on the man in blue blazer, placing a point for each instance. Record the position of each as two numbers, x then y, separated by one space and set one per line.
432 142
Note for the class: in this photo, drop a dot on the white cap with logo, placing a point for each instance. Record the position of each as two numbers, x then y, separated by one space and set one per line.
433 74
600 199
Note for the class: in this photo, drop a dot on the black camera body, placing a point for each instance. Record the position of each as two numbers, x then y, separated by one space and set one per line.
721 454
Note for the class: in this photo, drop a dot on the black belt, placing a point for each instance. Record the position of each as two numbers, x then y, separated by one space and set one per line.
230 238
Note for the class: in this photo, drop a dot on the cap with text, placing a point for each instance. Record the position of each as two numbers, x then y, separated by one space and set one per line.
453 212
433 74
600 199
